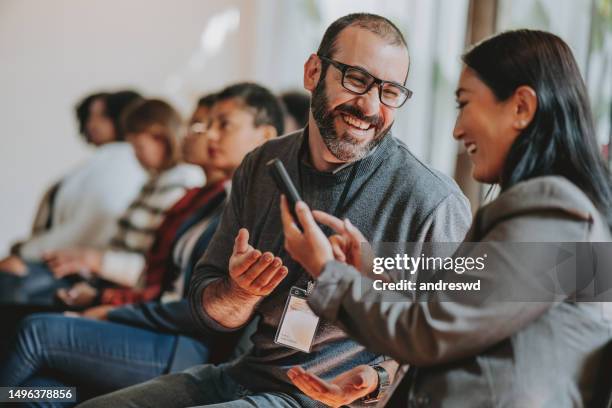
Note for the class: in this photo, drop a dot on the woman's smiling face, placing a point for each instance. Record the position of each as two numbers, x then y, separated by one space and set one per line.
485 125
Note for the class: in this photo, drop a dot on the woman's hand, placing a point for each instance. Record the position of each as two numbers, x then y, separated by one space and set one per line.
80 295
98 312
347 242
312 249
342 390
64 262
309 248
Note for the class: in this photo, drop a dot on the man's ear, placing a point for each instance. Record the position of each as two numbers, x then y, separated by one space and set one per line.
525 103
312 72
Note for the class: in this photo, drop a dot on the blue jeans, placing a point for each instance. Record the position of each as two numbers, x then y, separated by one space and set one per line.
95 354
204 385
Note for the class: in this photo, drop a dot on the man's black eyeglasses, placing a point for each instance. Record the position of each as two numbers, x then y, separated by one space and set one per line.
360 81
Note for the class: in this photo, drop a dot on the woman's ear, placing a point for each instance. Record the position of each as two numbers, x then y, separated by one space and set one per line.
526 105
312 72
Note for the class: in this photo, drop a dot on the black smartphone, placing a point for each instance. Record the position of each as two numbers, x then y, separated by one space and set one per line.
285 185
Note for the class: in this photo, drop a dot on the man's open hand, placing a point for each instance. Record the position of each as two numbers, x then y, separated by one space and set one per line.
252 273
342 390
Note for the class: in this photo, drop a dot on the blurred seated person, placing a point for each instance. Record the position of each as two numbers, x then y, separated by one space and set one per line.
297 106
150 339
159 268
152 128
525 340
84 206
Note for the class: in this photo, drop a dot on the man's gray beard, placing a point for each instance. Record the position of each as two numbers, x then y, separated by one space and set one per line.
346 148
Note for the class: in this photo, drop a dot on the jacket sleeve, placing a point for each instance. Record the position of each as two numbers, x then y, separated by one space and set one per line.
214 264
442 326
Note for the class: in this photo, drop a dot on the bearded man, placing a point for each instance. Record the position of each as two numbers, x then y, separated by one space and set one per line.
344 162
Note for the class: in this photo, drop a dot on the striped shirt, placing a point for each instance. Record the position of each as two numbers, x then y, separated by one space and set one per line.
124 261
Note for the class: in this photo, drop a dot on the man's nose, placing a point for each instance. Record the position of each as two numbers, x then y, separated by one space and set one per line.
369 103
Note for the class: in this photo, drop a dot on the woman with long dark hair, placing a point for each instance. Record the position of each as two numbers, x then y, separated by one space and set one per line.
525 120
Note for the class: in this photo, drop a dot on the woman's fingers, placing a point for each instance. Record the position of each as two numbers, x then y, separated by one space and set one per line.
327 219
353 232
338 244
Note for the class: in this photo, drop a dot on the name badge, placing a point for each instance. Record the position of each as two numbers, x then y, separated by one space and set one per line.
298 324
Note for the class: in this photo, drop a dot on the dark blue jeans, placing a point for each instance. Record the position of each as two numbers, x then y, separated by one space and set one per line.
93 354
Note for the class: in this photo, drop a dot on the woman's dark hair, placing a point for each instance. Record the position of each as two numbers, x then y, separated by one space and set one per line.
268 110
159 119
82 111
116 103
560 140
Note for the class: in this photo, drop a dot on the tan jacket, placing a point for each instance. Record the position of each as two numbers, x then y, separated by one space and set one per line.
468 352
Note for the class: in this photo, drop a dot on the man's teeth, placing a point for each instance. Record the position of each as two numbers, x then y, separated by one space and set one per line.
471 148
356 122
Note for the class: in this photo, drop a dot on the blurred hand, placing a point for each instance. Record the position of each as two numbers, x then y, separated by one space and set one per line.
98 312
72 261
310 248
81 294
252 273
342 390
14 265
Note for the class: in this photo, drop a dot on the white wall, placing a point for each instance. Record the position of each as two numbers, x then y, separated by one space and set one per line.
53 52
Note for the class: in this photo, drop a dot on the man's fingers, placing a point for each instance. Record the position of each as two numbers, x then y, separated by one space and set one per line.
327 219
266 276
241 243
299 377
256 269
276 279
242 263
315 382
304 385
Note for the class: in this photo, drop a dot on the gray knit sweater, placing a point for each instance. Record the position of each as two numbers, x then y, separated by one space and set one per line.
393 197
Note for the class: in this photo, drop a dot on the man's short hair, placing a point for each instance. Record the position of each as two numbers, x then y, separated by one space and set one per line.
371 22
268 110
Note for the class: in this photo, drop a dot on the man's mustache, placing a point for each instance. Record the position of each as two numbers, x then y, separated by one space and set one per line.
375 120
